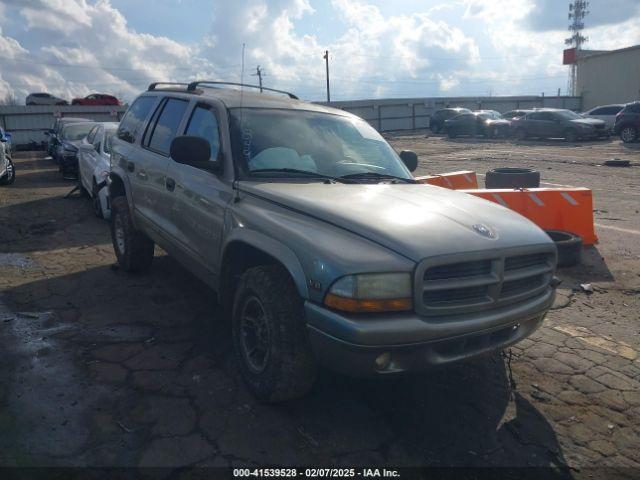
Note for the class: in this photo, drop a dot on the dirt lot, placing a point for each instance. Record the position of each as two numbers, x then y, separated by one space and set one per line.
104 368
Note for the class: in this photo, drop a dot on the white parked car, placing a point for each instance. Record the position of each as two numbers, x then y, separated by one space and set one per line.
607 113
44 99
93 165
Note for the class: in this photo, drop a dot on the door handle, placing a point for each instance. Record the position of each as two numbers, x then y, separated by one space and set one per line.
170 184
131 166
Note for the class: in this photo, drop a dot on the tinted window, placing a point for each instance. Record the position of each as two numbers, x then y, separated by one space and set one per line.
632 108
92 134
546 116
599 111
534 116
203 123
76 132
167 125
132 121
97 139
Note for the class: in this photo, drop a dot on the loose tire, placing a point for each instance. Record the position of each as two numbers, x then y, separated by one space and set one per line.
10 175
512 178
95 201
269 335
628 134
569 247
133 248
570 135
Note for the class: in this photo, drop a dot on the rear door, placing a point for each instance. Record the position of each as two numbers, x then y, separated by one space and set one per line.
126 152
155 194
85 158
200 197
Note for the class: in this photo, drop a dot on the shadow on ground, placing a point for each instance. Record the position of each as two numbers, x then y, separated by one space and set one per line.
118 369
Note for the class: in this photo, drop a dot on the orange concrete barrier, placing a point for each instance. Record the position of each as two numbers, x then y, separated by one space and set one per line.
461 180
568 209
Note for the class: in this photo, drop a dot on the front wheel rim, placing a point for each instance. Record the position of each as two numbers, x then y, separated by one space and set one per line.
119 234
254 335
627 134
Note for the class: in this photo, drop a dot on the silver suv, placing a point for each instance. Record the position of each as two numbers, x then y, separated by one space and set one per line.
316 238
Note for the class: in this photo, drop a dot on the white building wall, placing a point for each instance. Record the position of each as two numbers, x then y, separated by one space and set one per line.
610 77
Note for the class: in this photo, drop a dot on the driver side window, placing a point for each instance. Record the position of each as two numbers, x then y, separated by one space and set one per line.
204 123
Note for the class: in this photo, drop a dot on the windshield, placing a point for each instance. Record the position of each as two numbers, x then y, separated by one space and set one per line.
108 136
319 143
568 114
76 132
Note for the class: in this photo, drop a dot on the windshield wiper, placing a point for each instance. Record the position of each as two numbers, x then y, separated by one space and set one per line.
303 172
377 175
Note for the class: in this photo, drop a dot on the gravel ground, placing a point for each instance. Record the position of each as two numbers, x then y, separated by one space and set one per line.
102 368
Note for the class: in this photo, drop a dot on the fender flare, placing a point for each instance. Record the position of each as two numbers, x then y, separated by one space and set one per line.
274 248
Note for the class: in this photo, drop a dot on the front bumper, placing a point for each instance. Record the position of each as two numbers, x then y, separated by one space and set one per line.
365 346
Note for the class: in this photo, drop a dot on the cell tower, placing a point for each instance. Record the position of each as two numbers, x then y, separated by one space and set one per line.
577 12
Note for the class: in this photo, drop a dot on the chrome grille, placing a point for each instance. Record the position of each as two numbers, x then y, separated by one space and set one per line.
464 283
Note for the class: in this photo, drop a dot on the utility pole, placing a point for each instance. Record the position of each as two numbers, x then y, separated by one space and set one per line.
259 73
326 60
577 12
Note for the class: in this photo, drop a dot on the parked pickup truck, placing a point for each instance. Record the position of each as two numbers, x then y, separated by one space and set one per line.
317 239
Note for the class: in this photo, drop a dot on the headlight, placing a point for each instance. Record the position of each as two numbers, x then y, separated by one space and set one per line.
371 292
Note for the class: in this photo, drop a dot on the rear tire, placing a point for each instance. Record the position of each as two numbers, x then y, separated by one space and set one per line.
452 133
628 134
435 128
10 176
569 247
269 335
512 178
133 249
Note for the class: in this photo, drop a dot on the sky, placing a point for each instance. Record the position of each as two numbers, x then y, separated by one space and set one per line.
377 48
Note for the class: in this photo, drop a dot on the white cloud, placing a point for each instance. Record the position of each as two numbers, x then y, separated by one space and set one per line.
437 50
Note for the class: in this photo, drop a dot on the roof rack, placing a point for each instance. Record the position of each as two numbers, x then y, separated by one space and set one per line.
193 85
155 84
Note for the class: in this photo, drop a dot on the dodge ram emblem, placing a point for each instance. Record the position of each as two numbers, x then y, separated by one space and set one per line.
484 230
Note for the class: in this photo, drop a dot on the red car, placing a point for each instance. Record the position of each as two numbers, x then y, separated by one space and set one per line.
96 99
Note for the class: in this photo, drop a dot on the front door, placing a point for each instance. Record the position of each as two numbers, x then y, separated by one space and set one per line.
200 197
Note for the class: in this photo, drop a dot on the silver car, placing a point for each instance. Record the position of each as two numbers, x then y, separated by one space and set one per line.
317 239
44 99
93 165
606 113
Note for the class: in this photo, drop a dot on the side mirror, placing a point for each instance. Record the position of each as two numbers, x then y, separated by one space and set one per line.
410 159
193 151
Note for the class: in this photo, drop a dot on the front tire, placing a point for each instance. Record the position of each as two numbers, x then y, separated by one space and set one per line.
269 335
521 134
628 134
95 201
570 135
133 249
435 128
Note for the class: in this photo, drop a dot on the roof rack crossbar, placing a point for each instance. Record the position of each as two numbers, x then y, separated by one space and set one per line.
155 84
193 85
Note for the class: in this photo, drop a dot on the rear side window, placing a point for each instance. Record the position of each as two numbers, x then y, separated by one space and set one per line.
131 124
203 123
167 124
632 108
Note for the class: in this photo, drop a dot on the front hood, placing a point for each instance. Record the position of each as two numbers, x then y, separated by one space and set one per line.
594 122
416 221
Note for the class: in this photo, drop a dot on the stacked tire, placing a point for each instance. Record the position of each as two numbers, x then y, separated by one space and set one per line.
507 177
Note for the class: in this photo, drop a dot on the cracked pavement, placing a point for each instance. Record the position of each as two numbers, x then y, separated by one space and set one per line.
103 368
